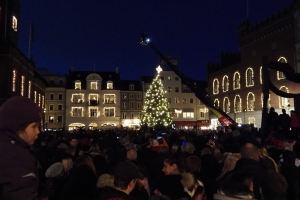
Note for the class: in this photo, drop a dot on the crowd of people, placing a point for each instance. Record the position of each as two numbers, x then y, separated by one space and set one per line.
119 164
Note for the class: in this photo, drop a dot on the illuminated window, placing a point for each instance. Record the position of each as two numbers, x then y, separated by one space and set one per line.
237 104
217 102
183 100
51 119
94 85
77 98
43 101
77 112
176 100
283 102
188 114
14 23
216 86
39 101
124 105
169 89
225 83
29 89
226 105
249 77
22 85
262 100
93 112
14 80
260 75
124 96
123 115
250 101
35 96
236 81
238 120
169 78
131 87
280 75
109 98
251 120
109 85
77 85
109 111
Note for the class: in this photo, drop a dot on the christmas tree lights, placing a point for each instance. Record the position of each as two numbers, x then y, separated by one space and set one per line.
156 112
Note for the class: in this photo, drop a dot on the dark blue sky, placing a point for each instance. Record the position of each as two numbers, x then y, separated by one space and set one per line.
106 32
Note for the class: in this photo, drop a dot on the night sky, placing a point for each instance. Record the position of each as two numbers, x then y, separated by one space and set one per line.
106 32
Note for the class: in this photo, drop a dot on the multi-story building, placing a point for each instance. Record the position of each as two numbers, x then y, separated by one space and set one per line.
17 73
188 111
55 99
131 103
92 100
235 85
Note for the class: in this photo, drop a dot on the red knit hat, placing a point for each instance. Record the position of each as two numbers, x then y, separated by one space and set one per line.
18 111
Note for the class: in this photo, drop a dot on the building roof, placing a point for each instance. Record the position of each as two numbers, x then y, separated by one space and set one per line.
82 75
126 83
146 79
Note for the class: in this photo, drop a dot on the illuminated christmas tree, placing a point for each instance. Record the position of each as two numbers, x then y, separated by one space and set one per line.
156 112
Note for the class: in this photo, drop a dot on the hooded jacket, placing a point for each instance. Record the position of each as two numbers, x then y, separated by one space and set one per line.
18 174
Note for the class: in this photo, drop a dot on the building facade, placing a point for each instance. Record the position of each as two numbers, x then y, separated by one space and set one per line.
131 103
187 110
18 76
237 87
92 100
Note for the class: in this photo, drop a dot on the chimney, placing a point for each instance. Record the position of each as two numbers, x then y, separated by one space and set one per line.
117 70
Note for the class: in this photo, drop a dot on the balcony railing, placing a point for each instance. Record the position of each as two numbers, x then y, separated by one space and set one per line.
77 101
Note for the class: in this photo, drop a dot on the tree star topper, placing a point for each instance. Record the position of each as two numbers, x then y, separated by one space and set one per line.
158 69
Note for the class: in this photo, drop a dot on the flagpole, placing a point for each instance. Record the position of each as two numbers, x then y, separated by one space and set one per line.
29 39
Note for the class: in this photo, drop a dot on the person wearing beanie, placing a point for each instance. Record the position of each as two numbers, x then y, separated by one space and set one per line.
20 119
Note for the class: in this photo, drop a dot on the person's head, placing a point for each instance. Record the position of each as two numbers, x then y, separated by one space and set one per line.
249 151
73 141
94 148
21 116
272 109
287 146
289 157
67 163
274 186
131 154
164 150
229 163
85 160
71 150
187 148
193 164
174 163
237 183
126 175
283 111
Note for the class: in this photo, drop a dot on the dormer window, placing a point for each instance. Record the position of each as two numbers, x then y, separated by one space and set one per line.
109 85
94 85
131 87
77 85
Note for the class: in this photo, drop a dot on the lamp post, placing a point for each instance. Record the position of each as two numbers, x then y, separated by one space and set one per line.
244 116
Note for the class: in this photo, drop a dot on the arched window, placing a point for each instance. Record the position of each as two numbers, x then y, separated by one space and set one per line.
262 100
280 75
249 77
216 86
225 83
260 75
217 102
226 105
284 102
250 101
237 104
236 81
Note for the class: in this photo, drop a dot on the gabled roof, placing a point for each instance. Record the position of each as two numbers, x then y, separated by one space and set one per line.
82 75
126 83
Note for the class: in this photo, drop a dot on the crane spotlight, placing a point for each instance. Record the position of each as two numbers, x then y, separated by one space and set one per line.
144 40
